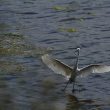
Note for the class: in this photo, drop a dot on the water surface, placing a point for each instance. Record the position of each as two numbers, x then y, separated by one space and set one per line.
30 28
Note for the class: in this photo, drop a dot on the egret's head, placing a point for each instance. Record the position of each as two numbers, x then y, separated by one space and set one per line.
77 51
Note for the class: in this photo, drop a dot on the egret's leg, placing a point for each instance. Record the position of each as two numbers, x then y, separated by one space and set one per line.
66 85
73 86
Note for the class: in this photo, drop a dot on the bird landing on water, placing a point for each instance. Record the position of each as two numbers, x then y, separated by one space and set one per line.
71 73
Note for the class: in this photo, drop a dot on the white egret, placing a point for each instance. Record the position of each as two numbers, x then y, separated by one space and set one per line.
71 73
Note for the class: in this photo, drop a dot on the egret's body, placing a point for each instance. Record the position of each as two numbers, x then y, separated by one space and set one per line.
71 73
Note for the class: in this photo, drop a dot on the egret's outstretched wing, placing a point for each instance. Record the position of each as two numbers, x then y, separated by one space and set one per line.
94 68
57 66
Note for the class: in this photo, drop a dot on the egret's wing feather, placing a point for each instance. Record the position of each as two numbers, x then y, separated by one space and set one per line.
57 66
94 69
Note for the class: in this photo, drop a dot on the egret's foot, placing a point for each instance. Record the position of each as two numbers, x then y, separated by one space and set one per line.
73 90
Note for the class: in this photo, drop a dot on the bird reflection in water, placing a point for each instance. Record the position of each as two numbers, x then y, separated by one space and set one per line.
75 104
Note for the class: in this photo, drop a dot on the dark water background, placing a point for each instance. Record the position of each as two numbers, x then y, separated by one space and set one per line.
57 25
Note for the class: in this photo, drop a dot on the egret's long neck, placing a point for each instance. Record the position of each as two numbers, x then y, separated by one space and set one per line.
77 59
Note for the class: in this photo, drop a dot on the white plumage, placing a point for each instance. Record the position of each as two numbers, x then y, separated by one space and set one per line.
94 68
57 66
63 69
